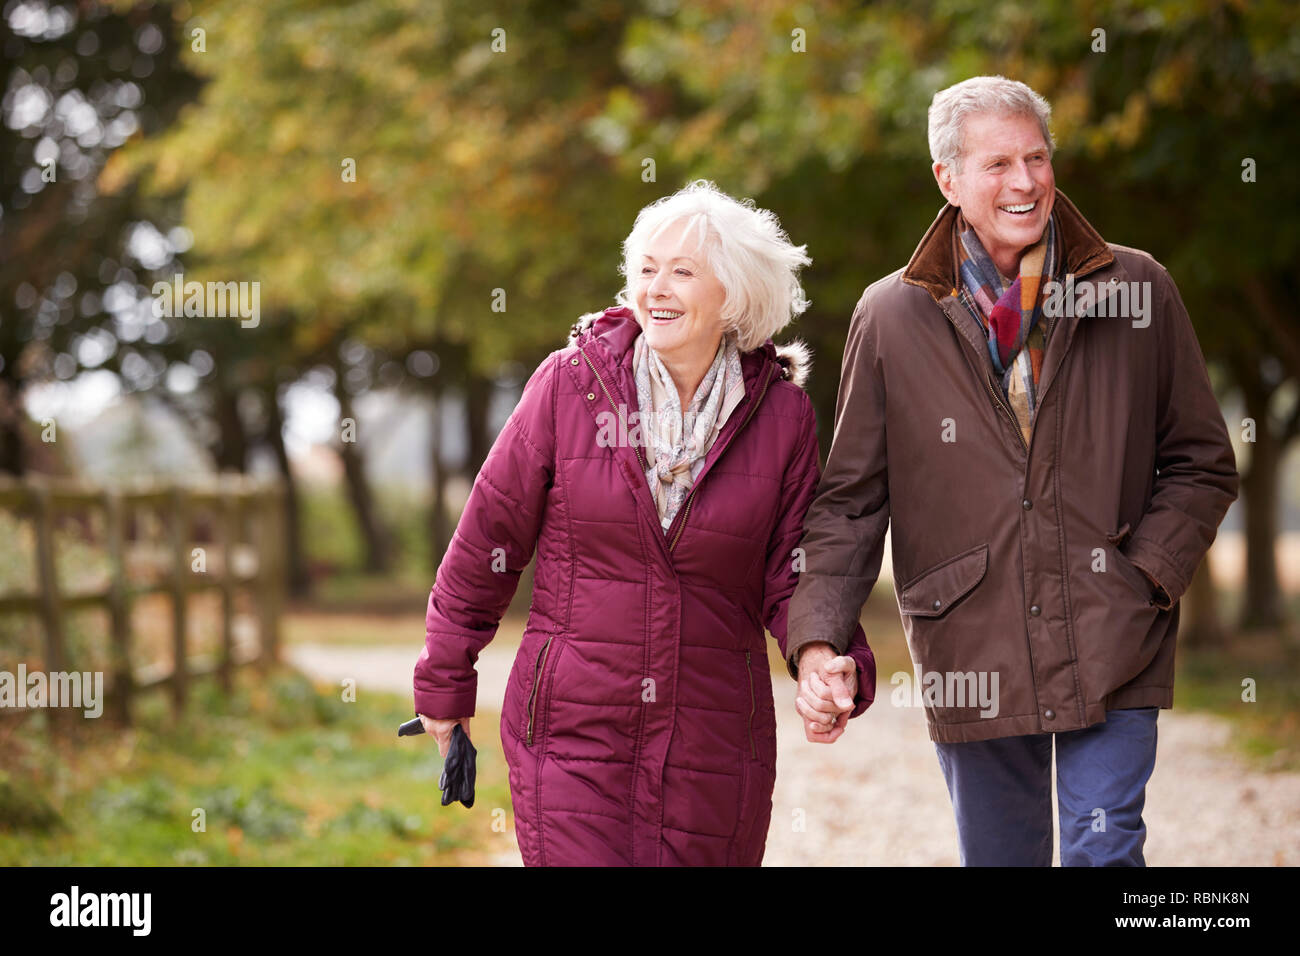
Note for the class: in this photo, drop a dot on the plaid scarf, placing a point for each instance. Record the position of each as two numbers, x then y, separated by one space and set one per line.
677 438
1009 314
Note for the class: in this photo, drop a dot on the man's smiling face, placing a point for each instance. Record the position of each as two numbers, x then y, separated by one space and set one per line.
1006 188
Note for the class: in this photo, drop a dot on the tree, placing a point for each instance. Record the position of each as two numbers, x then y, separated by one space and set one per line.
79 81
400 176
412 184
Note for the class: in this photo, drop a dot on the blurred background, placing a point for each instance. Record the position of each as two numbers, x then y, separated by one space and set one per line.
412 202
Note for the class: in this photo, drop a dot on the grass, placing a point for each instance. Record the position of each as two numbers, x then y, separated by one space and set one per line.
1267 727
1212 679
283 773
351 629
333 540
405 591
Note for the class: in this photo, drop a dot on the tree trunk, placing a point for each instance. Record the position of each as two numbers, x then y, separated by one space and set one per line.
373 535
12 417
439 533
299 580
1261 603
1200 626
478 394
232 450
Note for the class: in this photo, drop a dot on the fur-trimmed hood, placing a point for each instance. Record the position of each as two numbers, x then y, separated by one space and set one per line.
794 357
796 360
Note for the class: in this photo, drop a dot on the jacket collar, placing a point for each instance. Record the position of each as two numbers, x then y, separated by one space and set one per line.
933 266
615 330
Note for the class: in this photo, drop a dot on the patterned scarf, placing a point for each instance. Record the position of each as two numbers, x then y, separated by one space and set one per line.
679 439
1010 314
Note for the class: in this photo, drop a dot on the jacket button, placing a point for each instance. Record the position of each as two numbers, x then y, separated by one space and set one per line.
1027 505
1049 714
1035 610
937 604
591 396
573 361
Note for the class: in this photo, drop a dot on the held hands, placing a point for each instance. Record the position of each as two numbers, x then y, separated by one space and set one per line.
440 730
827 686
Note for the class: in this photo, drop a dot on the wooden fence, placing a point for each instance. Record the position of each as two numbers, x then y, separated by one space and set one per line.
231 560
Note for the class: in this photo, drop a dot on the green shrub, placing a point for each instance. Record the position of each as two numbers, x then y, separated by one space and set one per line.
261 814
26 808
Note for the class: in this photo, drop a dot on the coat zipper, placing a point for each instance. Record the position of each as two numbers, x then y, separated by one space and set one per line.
686 511
998 400
537 679
600 381
1012 415
753 703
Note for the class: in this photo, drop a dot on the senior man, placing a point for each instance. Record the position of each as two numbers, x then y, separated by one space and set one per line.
1028 405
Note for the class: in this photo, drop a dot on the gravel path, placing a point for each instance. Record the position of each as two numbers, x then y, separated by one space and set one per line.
876 797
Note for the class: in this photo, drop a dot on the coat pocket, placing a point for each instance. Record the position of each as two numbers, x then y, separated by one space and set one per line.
759 743
539 670
1134 578
932 592
1119 536
753 705
1125 568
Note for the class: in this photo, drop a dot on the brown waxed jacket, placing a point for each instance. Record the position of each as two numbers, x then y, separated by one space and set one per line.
1024 563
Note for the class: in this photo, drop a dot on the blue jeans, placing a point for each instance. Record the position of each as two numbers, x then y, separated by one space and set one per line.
1002 793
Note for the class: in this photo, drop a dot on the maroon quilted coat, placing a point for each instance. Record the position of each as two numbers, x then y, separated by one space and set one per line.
638 721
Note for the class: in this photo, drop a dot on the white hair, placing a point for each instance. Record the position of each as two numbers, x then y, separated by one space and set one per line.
746 249
980 94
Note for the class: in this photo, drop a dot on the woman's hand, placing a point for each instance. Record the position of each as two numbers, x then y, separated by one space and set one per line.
440 730
827 685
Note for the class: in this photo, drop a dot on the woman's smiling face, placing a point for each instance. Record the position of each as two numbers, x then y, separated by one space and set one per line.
678 299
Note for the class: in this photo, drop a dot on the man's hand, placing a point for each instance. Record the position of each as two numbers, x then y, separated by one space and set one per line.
1159 596
827 686
440 731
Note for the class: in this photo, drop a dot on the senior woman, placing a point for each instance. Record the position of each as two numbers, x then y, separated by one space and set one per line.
661 466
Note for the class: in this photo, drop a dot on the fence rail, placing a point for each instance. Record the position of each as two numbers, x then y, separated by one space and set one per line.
257 566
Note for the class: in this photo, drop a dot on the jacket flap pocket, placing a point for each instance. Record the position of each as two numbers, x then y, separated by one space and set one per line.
934 591
1133 577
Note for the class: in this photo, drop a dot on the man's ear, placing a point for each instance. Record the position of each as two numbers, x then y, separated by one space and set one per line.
943 176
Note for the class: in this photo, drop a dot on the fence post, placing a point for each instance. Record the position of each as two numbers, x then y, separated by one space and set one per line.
269 570
227 537
51 614
122 679
179 531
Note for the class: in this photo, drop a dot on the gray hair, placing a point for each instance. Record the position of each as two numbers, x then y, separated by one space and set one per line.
980 94
746 249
